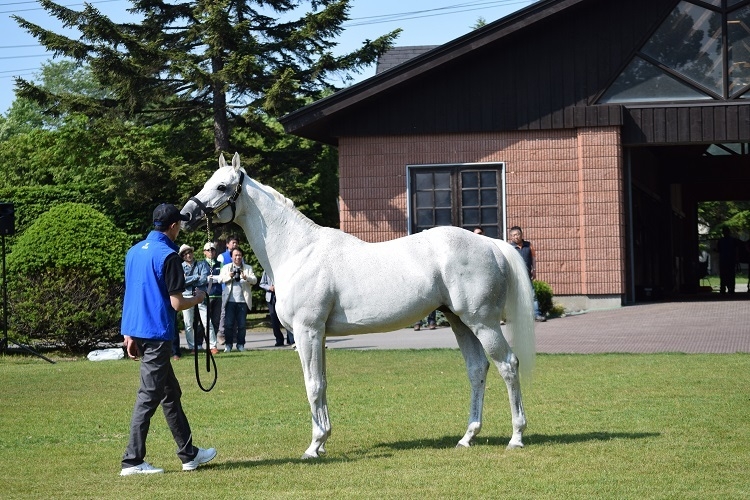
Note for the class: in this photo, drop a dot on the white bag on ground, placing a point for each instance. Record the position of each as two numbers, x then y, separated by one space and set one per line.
106 354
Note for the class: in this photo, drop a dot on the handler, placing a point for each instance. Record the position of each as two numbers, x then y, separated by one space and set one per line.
154 283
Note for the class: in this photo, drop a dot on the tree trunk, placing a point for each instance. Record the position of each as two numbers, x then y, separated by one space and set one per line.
221 122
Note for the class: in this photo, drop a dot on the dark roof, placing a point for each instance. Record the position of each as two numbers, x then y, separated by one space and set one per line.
398 55
310 121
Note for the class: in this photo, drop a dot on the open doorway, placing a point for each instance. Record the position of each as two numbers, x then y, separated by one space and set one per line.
724 246
680 199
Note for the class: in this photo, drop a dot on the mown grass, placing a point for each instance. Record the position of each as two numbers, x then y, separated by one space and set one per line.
600 426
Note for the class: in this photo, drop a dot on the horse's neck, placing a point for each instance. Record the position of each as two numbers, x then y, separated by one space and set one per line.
274 230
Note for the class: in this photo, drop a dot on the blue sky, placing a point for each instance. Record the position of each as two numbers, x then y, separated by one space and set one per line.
424 22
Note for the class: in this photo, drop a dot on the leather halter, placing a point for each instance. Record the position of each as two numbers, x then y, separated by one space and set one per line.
210 212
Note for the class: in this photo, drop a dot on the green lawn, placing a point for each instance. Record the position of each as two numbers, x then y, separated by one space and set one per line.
600 426
740 282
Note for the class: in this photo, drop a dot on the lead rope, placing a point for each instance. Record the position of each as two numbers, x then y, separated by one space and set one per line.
207 328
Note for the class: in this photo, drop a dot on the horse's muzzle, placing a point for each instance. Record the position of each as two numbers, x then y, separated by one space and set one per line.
195 213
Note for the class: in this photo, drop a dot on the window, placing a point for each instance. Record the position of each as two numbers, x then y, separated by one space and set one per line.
700 52
457 195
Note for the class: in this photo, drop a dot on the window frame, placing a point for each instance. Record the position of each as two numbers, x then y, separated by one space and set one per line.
456 169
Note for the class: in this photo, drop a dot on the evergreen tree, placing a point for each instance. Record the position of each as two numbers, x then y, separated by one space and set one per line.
229 63
55 77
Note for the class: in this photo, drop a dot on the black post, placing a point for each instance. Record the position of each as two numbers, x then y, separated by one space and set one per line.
5 303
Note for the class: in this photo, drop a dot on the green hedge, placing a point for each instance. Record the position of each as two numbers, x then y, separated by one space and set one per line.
65 279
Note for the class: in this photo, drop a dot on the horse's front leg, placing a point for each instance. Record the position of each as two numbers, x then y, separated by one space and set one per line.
312 355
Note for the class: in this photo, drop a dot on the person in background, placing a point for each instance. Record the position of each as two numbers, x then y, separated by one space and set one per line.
225 258
213 289
176 349
238 279
154 283
728 248
189 269
266 283
431 322
528 253
478 230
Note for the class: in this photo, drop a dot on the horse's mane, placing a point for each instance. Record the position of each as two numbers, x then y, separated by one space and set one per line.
282 200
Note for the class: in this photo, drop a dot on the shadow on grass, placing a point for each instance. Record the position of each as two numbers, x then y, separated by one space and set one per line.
445 442
528 440
325 459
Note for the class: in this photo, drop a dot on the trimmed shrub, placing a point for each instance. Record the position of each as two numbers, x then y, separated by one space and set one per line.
66 278
544 296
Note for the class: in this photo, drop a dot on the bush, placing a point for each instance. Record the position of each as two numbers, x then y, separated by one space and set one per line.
544 296
558 311
66 278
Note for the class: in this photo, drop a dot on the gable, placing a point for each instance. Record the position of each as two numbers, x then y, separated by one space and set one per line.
700 52
543 67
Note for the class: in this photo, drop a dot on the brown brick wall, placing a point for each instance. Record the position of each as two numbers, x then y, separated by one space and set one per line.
564 187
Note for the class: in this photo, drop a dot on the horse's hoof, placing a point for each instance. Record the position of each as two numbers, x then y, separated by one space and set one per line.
307 456
514 446
462 445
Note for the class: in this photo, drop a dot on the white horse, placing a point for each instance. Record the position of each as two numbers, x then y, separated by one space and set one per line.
330 283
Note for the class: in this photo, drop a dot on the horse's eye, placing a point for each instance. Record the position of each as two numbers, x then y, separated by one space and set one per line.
222 188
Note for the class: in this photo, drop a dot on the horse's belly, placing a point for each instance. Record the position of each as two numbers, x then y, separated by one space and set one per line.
354 321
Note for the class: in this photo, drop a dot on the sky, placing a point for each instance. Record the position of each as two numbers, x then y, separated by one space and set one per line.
424 22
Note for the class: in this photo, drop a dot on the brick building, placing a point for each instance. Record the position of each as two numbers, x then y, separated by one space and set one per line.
597 126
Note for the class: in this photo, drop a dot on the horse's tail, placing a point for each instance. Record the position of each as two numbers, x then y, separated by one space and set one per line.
519 310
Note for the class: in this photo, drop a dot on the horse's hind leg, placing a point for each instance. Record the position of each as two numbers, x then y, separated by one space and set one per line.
507 363
476 368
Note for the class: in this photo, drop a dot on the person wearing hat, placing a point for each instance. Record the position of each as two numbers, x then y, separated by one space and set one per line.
196 277
154 283
213 288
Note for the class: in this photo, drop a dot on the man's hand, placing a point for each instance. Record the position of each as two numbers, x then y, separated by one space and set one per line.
130 347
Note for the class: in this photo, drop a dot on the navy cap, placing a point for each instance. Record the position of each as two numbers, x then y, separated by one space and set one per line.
167 214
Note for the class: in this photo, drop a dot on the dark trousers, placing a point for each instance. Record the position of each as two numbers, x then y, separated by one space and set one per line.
214 313
158 386
275 323
176 350
431 319
726 278
235 316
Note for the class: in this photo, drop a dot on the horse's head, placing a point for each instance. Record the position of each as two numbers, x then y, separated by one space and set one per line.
218 197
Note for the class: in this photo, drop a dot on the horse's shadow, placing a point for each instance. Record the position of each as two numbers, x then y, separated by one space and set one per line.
379 450
528 439
350 457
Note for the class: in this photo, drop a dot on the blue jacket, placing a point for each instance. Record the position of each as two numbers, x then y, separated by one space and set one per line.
147 311
214 269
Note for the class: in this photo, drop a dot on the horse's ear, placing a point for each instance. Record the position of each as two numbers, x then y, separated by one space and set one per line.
236 161
222 161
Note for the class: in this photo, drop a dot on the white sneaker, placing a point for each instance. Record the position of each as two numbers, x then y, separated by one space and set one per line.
228 349
144 468
203 457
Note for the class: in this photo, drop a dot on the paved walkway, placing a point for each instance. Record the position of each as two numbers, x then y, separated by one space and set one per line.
709 325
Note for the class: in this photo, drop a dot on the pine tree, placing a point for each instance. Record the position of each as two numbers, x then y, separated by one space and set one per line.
232 63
